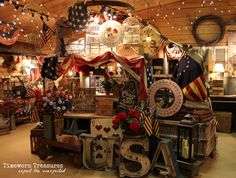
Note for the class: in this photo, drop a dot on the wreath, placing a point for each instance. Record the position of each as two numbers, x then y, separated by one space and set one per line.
200 20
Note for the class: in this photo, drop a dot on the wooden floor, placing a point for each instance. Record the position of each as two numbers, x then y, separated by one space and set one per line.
15 148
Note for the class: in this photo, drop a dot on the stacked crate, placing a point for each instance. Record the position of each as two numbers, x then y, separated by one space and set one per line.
207 135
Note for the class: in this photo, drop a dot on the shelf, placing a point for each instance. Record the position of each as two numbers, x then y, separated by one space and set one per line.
73 115
162 76
22 118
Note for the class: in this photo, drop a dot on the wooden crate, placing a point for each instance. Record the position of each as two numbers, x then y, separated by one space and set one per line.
207 147
225 121
35 135
207 129
104 106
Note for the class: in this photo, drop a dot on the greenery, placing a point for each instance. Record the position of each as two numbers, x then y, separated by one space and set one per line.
107 83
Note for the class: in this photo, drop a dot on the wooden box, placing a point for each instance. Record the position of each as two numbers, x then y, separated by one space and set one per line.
207 147
207 129
104 106
225 121
35 135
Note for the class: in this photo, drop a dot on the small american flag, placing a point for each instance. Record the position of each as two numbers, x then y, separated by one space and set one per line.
46 34
149 77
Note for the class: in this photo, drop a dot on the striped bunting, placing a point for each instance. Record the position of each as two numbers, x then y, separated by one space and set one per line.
151 125
196 90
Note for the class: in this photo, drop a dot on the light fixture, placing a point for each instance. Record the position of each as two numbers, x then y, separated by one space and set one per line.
219 70
16 7
218 67
2 3
148 38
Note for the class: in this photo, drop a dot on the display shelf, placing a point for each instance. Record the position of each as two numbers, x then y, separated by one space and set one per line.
73 115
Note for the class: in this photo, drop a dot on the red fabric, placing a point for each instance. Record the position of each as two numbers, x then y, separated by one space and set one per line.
137 63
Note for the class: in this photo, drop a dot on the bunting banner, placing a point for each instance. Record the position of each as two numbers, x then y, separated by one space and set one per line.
8 33
135 66
196 90
151 125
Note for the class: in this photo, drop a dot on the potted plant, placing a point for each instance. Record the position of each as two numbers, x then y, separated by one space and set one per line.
107 83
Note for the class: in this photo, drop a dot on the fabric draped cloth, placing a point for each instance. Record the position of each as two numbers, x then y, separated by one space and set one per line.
189 76
136 66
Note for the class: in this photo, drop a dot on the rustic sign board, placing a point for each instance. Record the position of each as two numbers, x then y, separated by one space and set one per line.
129 96
84 100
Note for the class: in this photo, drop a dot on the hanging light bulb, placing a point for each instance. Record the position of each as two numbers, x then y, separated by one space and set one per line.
2 3
16 7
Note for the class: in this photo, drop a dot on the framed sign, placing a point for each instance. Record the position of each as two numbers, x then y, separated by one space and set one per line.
84 100
129 96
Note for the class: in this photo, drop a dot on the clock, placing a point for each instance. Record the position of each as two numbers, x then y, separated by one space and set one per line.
150 41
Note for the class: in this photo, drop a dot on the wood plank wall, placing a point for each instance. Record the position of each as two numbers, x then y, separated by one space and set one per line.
175 20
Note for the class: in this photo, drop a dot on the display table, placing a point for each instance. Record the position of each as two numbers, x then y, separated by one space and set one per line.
73 115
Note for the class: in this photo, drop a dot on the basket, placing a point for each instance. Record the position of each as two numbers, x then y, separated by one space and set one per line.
35 135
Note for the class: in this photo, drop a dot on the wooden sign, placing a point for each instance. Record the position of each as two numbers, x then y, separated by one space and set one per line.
104 107
129 96
170 167
128 154
84 100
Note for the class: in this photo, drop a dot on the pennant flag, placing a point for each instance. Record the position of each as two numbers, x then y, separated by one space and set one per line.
46 35
151 125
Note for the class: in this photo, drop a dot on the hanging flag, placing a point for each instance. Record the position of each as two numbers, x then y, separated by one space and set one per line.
149 77
46 35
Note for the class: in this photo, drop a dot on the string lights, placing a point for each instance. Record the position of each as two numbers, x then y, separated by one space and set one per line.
205 7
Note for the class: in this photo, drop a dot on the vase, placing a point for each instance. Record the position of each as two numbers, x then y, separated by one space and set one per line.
107 92
49 128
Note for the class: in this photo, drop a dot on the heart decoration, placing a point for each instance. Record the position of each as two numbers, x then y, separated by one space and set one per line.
99 156
114 127
98 147
107 129
98 127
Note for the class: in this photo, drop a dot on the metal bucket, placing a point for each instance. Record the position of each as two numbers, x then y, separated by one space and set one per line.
230 85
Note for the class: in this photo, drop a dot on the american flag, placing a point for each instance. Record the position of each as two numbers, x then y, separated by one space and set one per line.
149 77
46 34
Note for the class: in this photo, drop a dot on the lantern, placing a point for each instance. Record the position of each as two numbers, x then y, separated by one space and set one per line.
187 144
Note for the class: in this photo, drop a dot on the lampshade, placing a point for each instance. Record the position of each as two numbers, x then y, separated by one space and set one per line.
218 67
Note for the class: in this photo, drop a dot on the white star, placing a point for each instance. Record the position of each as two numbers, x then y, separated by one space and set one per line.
183 70
188 62
80 7
81 14
187 66
84 20
78 20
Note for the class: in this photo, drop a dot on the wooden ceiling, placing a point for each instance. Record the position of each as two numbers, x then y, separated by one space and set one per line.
173 18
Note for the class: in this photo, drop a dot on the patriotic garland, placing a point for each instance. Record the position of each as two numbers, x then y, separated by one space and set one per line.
8 33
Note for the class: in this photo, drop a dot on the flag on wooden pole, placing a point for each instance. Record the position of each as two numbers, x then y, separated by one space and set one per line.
46 34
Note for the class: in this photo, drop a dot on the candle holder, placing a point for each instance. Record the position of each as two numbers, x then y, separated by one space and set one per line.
187 144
